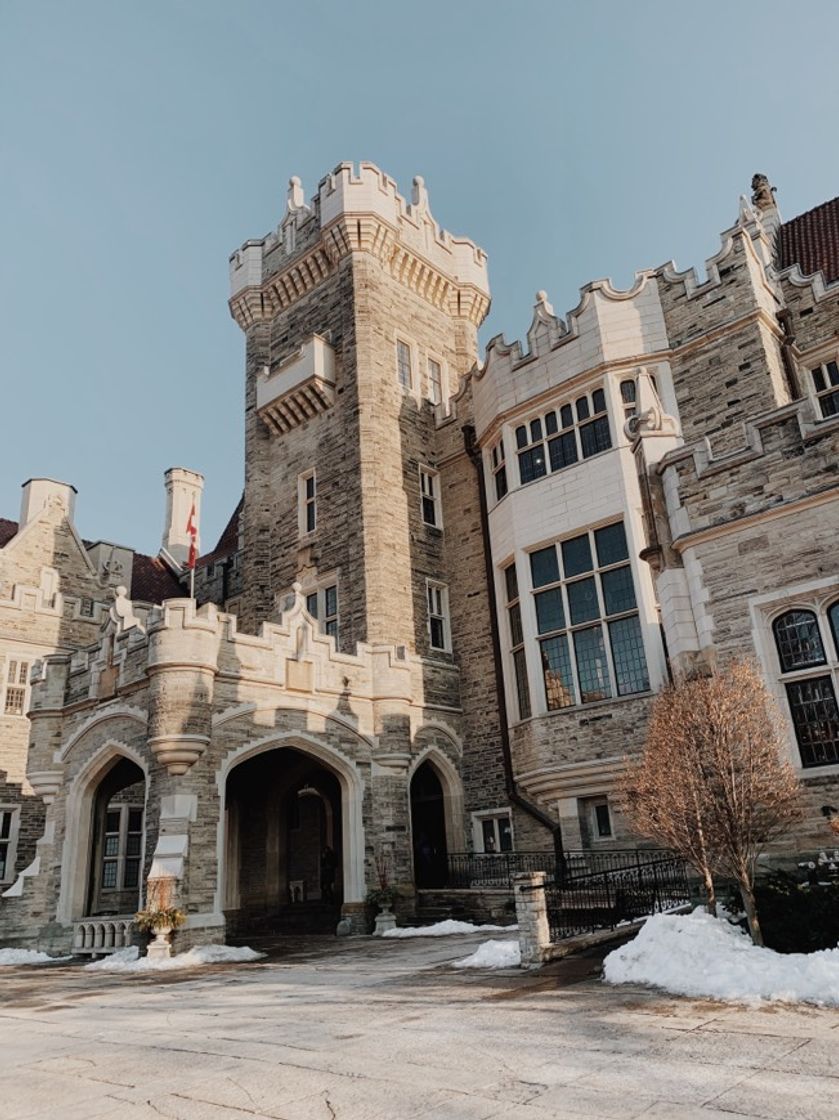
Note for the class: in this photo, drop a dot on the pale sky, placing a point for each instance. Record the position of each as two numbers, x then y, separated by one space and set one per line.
142 141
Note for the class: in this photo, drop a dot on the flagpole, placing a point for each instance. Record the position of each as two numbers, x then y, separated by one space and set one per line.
192 582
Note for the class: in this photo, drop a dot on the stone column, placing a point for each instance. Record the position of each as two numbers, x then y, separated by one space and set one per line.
532 917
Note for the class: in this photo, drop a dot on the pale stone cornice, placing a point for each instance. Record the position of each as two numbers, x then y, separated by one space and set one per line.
357 233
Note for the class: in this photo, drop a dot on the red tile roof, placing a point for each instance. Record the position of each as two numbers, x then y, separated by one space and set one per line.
151 580
812 241
228 542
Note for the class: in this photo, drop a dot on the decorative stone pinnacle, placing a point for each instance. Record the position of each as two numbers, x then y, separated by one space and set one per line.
419 195
763 194
542 303
296 197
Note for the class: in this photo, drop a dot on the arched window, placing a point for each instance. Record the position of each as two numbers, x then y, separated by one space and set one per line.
811 695
798 640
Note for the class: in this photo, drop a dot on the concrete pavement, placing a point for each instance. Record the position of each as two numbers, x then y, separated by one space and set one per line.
366 1030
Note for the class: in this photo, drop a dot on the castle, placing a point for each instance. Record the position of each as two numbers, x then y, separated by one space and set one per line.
437 619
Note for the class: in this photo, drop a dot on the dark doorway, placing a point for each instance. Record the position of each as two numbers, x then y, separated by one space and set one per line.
283 852
428 828
116 852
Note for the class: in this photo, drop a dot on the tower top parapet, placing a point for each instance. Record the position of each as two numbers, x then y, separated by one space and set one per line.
358 211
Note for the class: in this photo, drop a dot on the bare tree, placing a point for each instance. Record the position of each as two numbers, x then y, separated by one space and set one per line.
664 792
719 740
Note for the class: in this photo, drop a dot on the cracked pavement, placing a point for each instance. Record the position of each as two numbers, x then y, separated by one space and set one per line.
372 1030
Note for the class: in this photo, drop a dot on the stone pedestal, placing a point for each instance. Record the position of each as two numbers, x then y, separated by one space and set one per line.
532 917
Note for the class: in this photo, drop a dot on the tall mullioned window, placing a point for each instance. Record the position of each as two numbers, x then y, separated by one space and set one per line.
122 847
435 381
8 829
563 436
322 605
511 585
16 692
826 384
307 503
807 645
590 642
438 615
404 369
430 497
499 469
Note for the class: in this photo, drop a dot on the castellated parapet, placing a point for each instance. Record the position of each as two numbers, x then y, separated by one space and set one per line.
357 212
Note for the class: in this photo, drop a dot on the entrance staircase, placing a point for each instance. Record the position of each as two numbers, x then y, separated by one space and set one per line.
298 920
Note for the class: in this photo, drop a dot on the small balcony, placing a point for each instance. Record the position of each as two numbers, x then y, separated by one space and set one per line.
298 388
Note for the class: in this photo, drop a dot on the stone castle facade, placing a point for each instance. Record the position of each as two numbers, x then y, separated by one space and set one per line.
437 619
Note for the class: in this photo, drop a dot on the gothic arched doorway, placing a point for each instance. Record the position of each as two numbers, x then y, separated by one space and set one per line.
428 828
284 845
116 849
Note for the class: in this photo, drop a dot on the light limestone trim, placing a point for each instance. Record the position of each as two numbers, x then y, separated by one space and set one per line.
452 795
714 532
120 711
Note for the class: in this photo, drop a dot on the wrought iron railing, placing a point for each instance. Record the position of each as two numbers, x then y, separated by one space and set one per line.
495 870
604 899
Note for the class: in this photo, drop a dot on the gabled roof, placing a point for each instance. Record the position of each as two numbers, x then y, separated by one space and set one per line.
151 580
812 241
228 542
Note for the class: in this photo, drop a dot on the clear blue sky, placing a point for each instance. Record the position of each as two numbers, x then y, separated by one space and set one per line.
142 141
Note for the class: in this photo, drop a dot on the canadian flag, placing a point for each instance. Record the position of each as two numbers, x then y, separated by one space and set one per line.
192 533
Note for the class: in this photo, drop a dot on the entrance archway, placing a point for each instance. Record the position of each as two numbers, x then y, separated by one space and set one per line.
117 828
428 827
284 844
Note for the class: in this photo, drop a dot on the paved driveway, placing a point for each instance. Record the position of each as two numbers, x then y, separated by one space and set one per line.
365 1030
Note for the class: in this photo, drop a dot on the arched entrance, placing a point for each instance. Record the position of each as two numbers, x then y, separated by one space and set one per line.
428 827
284 845
115 864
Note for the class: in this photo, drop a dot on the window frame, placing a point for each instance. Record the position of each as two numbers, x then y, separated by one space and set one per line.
552 427
567 675
328 622
442 385
401 341
432 495
10 842
478 835
307 504
122 856
22 667
825 669
517 646
828 372
498 469
434 587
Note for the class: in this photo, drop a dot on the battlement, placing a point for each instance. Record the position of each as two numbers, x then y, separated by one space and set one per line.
357 211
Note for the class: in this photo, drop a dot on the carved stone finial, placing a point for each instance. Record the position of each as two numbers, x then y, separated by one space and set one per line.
122 612
419 195
542 303
296 197
763 194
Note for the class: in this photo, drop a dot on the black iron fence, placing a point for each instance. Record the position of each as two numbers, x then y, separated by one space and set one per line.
603 899
495 870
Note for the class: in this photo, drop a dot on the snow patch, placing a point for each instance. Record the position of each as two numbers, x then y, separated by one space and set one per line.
442 929
129 960
27 956
493 954
699 955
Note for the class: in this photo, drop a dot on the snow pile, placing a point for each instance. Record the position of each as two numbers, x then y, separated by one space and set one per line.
493 954
442 929
129 960
698 955
27 956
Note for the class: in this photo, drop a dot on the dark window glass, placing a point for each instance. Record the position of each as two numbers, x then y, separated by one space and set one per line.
798 640
576 556
331 603
522 687
516 634
505 834
581 405
628 392
535 430
818 379
511 581
833 615
312 605
109 874
598 401
833 373
112 845
592 670
5 826
332 627
549 612
132 873
829 404
112 820
563 451
532 463
132 844
602 820
582 600
438 634
610 542
816 719
550 423
429 511
135 820
488 829
500 483
594 437
628 656
310 517
310 487
618 592
544 567
556 670
567 416
521 436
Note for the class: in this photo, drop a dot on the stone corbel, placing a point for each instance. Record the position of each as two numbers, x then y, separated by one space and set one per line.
178 752
46 783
